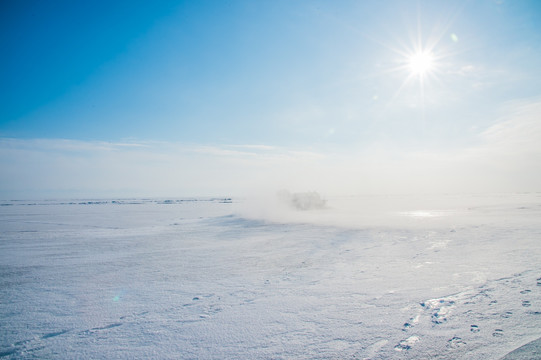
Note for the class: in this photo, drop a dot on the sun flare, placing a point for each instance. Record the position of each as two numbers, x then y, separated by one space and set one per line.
421 62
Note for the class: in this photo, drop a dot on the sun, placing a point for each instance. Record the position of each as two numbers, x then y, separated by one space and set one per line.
421 63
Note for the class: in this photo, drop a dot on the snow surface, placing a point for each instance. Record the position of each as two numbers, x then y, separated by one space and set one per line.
449 277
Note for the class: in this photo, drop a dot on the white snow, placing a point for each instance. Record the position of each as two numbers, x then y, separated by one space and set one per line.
373 277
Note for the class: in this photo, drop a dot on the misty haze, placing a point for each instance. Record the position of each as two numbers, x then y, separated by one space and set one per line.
270 180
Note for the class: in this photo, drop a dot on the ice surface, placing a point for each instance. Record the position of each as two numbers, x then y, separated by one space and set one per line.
449 277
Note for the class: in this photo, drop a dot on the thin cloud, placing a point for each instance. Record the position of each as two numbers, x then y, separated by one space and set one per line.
505 158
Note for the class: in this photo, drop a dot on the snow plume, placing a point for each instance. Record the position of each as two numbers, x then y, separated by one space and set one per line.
282 206
302 201
416 211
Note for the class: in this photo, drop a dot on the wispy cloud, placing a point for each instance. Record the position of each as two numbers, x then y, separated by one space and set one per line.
505 157
59 167
255 147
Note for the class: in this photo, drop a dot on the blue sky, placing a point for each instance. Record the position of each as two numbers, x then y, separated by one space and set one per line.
319 85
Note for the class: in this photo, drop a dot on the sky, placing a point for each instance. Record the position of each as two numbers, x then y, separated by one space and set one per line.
184 98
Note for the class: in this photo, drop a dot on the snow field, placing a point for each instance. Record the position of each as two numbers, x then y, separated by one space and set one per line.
202 280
